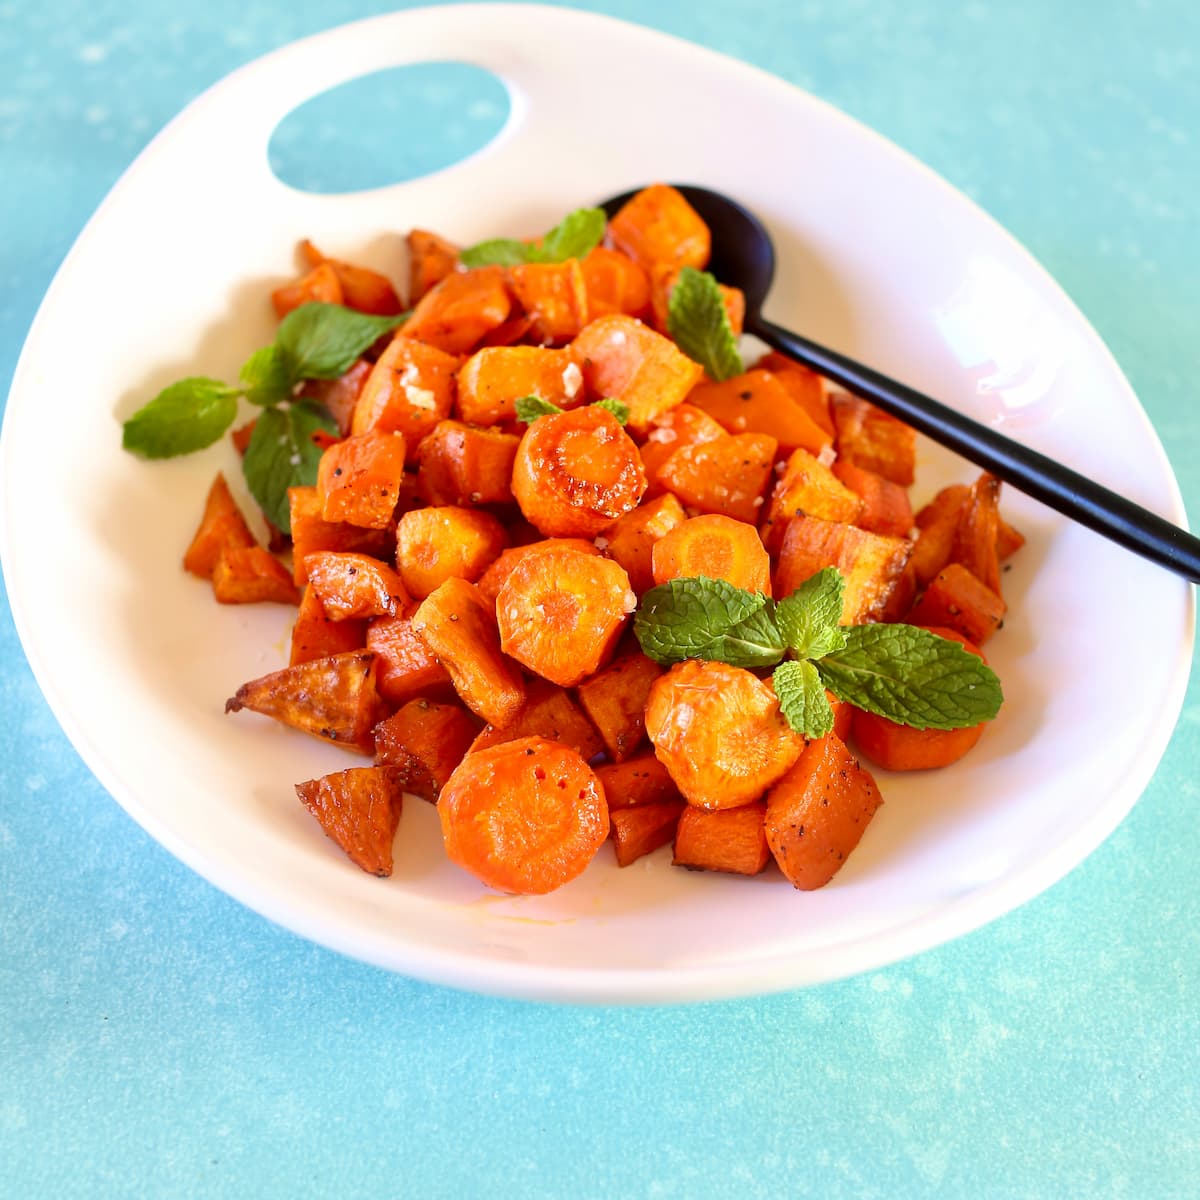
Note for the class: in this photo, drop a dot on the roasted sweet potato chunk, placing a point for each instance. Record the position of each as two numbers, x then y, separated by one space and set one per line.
757 402
807 487
733 840
355 585
314 635
639 831
961 602
405 666
459 311
250 575
631 539
425 741
727 476
493 379
549 713
615 700
221 526
410 389
659 226
638 780
361 479
359 808
464 464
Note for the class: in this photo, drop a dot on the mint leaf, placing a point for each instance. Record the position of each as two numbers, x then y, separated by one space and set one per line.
495 252
808 618
802 698
699 325
912 676
529 408
573 237
282 454
618 410
323 341
186 416
707 618
267 376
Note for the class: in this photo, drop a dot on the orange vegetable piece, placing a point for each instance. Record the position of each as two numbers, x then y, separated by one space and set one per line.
363 290
424 741
355 585
807 485
560 613
615 700
554 295
493 379
576 472
614 283
639 831
464 464
334 699
878 584
664 276
683 425
406 668
550 713
361 479
1008 540
339 395
758 402
978 530
937 524
493 578
717 547
524 817
733 840
719 732
314 635
959 601
430 259
456 314
410 389
436 544
727 476
631 539
638 780
818 812
871 438
885 508
804 385
251 575
458 625
359 809
320 285
659 226
624 360
311 533
508 333
221 526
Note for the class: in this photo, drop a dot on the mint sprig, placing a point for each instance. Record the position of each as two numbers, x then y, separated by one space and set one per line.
528 408
699 324
901 672
282 452
574 236
184 417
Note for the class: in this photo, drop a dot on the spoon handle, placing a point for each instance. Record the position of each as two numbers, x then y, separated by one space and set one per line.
1055 485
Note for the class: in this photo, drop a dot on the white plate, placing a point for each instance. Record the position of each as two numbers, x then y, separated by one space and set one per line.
878 257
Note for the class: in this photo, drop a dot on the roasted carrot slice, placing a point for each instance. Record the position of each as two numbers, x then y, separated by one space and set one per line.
320 285
614 283
550 713
405 666
311 533
252 575
221 526
639 831
807 485
456 314
959 601
363 290
361 479
465 464
659 226
447 541
727 476
638 780
631 539
885 508
410 389
458 625
817 813
716 547
733 840
758 402
493 379
314 635
615 700
493 578
355 585
332 698
902 748
430 259
425 741
576 472
871 438
719 732
525 817
359 809
554 295
560 613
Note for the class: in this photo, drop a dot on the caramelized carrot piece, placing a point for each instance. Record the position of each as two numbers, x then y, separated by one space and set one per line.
252 575
937 524
733 840
340 395
576 472
493 379
410 389
885 508
758 402
804 386
550 713
525 817
493 578
458 625
314 635
334 699
727 476
614 283
554 295
719 732
447 541
311 533
807 485
959 601
360 479
615 700
624 360
871 438
456 314
355 585
320 285
659 226
639 831
560 613
638 780
978 529
430 259
359 809
425 741
683 425
363 290
221 526
717 547
464 464
1008 540
406 668
631 539
664 276
817 813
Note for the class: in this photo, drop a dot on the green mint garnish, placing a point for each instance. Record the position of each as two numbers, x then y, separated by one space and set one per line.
901 672
529 408
323 341
268 377
573 237
282 454
699 325
618 410
186 416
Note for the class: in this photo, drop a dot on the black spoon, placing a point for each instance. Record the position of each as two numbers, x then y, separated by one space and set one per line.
743 256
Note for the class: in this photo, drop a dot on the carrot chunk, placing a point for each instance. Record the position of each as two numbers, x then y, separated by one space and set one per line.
363 290
978 529
615 700
817 813
463 464
410 389
639 831
758 402
717 547
525 817
458 312
683 425
959 601
355 585
638 780
311 533
361 479
659 226
733 840
493 578
871 438
320 285
493 379
314 635
406 668
805 387
560 613
719 732
576 472
251 575
221 526
885 508
807 485
727 476
425 741
631 539
430 259
550 713
554 295
339 396
448 541
359 809
614 283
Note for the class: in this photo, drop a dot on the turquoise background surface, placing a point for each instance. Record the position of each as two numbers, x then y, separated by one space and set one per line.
157 1039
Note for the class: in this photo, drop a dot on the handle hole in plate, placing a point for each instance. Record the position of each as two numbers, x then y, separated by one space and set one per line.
388 127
